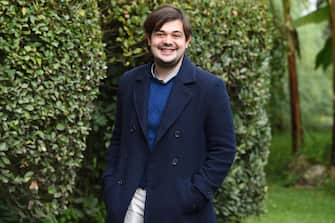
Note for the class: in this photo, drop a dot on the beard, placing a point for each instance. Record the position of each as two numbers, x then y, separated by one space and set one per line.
167 64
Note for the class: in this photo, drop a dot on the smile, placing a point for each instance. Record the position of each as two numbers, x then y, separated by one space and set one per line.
167 50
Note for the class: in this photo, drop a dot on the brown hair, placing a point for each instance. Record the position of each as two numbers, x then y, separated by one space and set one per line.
164 14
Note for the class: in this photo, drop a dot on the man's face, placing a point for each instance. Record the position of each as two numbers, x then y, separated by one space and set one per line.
168 44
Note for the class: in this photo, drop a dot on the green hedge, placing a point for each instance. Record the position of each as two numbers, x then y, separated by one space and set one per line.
231 39
51 64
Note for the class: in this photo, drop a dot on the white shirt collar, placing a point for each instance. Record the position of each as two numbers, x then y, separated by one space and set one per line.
168 77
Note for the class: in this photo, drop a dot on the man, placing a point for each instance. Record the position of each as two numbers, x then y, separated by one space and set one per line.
173 141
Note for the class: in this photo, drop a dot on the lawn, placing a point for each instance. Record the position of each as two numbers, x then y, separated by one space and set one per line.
290 204
297 205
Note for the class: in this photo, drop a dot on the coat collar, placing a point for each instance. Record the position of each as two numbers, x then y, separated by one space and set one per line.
179 97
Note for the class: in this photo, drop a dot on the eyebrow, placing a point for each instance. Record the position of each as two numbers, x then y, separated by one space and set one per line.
175 31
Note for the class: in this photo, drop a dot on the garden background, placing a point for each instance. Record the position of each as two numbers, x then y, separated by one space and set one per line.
60 62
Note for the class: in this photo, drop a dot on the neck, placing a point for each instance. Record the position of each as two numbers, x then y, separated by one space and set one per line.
163 71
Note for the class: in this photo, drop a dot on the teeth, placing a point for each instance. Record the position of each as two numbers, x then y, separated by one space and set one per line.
167 48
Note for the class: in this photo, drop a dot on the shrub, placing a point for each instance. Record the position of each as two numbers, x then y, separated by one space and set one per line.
51 64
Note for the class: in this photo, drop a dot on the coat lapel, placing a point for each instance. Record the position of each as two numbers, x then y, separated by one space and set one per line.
180 96
140 96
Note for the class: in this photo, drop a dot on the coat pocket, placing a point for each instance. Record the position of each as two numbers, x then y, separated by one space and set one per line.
190 198
111 192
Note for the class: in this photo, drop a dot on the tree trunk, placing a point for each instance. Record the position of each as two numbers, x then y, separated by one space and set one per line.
294 94
332 25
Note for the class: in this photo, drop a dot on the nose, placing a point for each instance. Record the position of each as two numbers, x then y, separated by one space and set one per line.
168 39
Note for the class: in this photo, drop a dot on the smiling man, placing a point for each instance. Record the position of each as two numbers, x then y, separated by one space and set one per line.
173 142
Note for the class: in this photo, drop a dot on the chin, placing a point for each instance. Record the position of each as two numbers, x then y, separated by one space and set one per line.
167 63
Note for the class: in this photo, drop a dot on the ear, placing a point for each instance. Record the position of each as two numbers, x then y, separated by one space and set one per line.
188 41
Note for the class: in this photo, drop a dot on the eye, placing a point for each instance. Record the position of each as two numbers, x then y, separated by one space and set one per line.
159 34
177 35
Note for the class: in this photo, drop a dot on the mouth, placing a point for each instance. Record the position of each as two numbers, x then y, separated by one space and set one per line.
167 50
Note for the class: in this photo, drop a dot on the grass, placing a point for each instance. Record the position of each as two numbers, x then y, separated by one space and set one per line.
291 204
294 205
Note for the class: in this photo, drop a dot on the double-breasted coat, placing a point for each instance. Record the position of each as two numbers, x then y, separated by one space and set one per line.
193 150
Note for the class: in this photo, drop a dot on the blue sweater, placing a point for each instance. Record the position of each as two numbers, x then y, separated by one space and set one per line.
158 96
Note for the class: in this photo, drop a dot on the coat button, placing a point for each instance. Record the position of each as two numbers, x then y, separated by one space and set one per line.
177 133
120 182
132 129
174 161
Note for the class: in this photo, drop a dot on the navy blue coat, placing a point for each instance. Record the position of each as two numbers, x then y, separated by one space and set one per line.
194 148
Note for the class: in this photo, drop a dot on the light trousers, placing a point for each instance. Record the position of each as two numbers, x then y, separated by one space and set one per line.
135 212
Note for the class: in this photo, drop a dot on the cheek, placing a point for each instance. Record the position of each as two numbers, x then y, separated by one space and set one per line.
154 43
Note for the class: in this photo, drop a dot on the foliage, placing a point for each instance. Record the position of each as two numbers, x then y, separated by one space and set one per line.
314 85
51 63
7 215
231 39
278 100
321 14
323 59
317 16
82 210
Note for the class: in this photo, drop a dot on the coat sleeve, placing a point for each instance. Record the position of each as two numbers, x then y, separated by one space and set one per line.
220 139
114 148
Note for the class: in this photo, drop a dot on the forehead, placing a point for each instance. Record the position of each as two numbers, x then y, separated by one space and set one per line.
172 26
